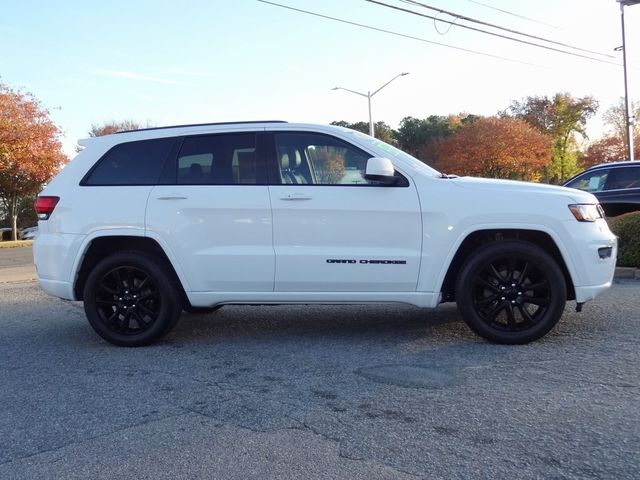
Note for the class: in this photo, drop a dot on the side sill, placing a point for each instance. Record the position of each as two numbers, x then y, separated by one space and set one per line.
210 299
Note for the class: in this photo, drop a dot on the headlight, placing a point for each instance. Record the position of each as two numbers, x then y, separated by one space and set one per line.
587 212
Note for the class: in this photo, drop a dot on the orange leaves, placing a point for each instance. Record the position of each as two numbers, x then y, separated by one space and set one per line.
494 147
30 152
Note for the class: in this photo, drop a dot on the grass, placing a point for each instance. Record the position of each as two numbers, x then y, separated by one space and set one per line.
18 244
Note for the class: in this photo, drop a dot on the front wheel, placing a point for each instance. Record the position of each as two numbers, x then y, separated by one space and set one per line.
131 300
511 292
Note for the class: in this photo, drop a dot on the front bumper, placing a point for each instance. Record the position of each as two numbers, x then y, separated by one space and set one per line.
591 271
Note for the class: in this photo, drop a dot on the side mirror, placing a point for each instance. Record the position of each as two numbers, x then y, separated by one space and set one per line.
381 170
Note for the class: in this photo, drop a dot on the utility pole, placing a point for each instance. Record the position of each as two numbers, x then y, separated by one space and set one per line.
629 114
369 95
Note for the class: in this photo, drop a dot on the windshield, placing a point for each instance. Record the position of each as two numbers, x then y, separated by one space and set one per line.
393 152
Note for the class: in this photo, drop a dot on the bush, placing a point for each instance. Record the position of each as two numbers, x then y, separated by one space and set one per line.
627 228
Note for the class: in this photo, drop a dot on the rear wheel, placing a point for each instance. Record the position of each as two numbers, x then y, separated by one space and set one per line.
131 300
511 292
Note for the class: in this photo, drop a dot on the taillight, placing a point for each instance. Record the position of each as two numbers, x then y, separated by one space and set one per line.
44 206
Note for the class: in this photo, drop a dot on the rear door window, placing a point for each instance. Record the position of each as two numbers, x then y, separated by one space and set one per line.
222 159
623 178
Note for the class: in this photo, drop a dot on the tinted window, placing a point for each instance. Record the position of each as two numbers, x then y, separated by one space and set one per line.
590 181
227 159
132 163
623 177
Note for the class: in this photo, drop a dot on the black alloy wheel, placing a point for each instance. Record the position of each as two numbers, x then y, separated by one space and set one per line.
127 300
130 300
511 292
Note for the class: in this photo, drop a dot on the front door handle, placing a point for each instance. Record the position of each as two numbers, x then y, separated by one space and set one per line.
296 196
172 197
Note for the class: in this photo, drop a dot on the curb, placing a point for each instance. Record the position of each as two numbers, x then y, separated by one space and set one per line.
627 272
22 273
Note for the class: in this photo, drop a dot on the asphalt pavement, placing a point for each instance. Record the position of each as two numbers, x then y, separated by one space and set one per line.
16 265
345 392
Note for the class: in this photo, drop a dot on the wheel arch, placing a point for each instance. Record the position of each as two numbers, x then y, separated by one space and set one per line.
101 246
480 237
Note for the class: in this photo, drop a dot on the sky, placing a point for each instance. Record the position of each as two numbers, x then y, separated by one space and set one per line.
195 61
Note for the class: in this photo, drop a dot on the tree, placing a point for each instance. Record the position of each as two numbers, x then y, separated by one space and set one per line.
607 149
30 152
113 126
382 130
612 147
615 117
497 147
416 135
563 117
27 216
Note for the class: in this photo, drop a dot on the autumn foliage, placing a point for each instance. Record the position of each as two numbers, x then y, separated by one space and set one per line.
494 147
607 149
114 126
30 152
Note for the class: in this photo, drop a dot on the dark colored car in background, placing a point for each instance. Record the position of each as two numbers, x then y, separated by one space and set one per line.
616 185
28 233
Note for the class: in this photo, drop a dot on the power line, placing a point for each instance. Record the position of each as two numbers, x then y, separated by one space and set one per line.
514 14
492 33
390 32
492 25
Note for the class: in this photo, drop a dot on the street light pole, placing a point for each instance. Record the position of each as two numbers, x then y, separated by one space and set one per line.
369 95
629 115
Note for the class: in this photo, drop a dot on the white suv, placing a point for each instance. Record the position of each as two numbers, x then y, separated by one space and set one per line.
145 224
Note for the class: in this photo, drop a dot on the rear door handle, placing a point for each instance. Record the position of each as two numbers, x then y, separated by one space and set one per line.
296 196
172 197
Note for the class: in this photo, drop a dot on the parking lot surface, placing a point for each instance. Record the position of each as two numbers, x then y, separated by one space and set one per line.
319 392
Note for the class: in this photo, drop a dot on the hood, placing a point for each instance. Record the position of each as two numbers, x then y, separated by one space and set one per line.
495 185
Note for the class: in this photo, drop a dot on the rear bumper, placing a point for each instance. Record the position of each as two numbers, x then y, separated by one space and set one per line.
55 256
57 288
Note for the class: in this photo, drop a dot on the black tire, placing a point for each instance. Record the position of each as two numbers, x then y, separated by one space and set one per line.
511 292
200 310
131 299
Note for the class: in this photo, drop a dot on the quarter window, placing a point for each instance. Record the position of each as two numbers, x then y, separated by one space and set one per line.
226 159
131 163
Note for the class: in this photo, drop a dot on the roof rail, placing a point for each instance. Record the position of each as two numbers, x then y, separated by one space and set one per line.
200 125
